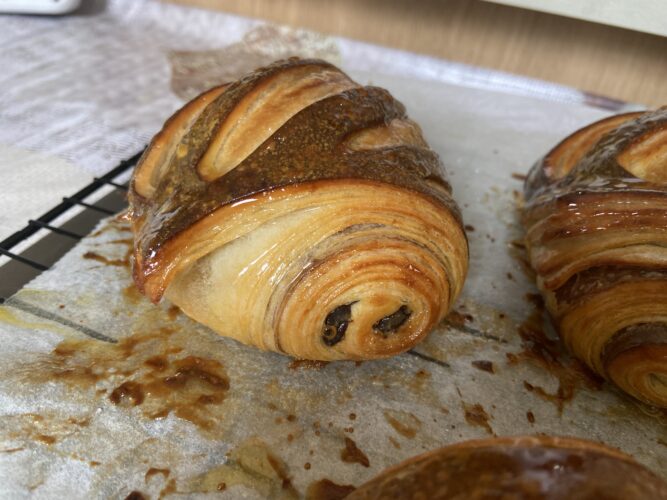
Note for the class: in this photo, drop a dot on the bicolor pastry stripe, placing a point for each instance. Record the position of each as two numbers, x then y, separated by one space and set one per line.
596 233
263 110
164 145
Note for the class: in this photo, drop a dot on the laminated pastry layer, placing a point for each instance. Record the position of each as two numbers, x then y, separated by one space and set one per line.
300 213
596 233
333 270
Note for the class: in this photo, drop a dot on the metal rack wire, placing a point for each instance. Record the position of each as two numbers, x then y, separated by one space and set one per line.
58 239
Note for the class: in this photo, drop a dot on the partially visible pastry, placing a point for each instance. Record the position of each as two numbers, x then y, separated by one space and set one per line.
596 234
529 468
299 212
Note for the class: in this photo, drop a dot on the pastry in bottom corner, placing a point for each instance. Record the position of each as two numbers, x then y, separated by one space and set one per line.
299 212
531 468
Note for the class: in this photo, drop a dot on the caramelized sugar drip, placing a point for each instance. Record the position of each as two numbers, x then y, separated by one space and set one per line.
483 365
153 471
550 355
351 454
143 371
325 489
404 423
106 260
475 414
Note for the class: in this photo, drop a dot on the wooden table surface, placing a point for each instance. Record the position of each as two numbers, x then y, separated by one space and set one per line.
613 62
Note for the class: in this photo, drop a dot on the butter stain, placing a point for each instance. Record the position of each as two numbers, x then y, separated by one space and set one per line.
9 318
253 465
144 370
404 423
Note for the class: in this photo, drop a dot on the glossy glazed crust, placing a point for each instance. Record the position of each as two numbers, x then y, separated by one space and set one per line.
596 233
517 467
290 180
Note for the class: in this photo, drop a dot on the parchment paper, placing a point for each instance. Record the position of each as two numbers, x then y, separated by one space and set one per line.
278 428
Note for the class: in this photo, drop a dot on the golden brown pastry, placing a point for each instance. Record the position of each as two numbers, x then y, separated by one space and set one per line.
527 468
299 212
596 233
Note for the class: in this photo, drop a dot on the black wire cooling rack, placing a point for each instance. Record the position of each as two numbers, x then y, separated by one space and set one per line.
58 239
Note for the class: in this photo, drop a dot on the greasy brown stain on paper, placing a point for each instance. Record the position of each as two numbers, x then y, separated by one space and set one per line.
459 319
394 443
306 364
169 489
420 379
132 294
121 241
475 414
325 489
251 464
142 371
81 422
351 454
550 355
125 262
8 317
46 429
135 495
484 365
115 224
127 394
44 438
406 424
153 471
12 450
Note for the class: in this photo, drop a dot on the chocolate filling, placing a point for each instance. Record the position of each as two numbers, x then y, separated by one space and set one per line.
336 323
389 324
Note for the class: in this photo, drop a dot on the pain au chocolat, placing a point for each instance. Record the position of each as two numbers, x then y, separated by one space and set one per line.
299 212
528 468
596 233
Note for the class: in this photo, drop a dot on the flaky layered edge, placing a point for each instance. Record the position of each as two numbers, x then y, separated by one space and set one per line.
380 250
598 244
